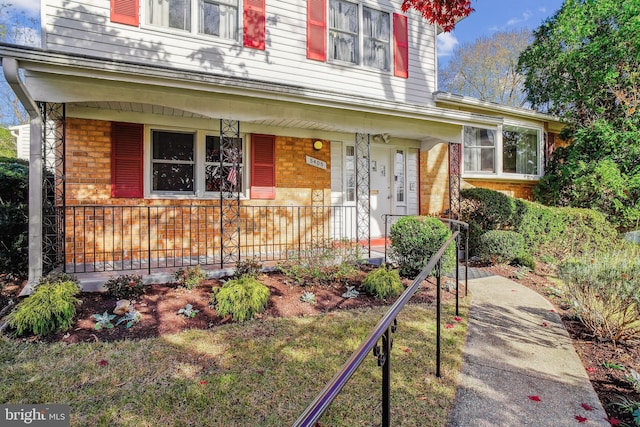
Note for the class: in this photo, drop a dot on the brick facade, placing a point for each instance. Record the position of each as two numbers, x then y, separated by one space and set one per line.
121 231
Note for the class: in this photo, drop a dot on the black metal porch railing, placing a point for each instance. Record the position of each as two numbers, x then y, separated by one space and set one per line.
118 238
382 331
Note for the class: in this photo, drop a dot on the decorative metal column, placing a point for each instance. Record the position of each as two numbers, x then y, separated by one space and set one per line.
317 218
53 185
455 163
229 176
363 190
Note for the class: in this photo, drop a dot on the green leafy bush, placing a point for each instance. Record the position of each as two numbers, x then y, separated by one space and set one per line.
14 194
525 260
500 246
549 233
605 291
125 286
325 263
50 308
383 283
248 267
415 239
242 298
190 277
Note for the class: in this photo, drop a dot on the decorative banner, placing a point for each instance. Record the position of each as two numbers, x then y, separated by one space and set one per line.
317 163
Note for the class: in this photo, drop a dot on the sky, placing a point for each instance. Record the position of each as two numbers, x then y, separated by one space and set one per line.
492 16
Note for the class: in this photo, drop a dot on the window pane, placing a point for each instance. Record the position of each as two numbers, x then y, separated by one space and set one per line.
170 13
376 47
226 178
479 150
399 176
520 150
172 146
172 177
343 31
218 19
350 173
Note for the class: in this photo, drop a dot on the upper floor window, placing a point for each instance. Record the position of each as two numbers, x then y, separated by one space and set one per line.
513 150
359 35
214 17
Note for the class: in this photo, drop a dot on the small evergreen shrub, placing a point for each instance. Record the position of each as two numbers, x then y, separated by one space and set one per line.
500 246
242 298
128 286
50 308
325 263
605 291
190 277
251 267
383 283
415 239
525 260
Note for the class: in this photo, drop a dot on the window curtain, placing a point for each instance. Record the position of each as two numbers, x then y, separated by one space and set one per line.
343 21
376 29
170 13
479 150
218 19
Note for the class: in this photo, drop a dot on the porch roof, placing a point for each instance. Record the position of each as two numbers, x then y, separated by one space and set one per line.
60 77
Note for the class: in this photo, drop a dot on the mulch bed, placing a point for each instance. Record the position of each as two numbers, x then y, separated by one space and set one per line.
160 303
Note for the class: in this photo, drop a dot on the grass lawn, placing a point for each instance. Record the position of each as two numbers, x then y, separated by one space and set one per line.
260 373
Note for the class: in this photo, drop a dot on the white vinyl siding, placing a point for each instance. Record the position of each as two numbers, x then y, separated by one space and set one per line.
83 27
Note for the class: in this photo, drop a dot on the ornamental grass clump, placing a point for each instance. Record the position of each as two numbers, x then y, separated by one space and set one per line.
605 292
383 283
51 308
242 298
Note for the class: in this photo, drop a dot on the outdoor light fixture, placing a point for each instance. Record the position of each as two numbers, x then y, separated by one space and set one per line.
317 145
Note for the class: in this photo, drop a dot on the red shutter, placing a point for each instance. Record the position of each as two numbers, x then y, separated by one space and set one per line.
126 160
254 24
263 167
400 46
125 12
316 30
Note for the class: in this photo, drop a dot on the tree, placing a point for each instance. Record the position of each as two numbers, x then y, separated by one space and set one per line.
445 13
7 143
487 68
584 66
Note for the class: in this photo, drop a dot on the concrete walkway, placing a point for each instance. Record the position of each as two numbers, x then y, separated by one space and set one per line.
517 350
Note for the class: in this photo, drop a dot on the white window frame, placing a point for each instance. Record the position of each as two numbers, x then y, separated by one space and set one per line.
199 187
499 154
396 182
345 175
360 37
195 21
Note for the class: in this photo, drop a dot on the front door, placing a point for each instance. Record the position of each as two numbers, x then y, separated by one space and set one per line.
380 175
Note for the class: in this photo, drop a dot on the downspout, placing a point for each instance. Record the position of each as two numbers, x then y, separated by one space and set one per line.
11 73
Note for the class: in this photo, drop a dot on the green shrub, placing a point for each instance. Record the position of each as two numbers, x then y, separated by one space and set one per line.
414 240
50 308
190 277
325 263
383 283
605 291
56 277
500 246
125 286
549 233
525 260
14 193
248 267
242 298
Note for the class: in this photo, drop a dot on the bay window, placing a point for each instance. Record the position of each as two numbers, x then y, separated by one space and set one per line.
506 151
359 35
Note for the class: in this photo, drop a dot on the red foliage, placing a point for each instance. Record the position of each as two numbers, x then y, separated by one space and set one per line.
535 398
445 13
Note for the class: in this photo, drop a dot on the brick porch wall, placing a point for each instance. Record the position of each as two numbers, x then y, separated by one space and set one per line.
100 235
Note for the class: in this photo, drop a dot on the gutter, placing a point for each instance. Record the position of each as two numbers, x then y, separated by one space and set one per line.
11 72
